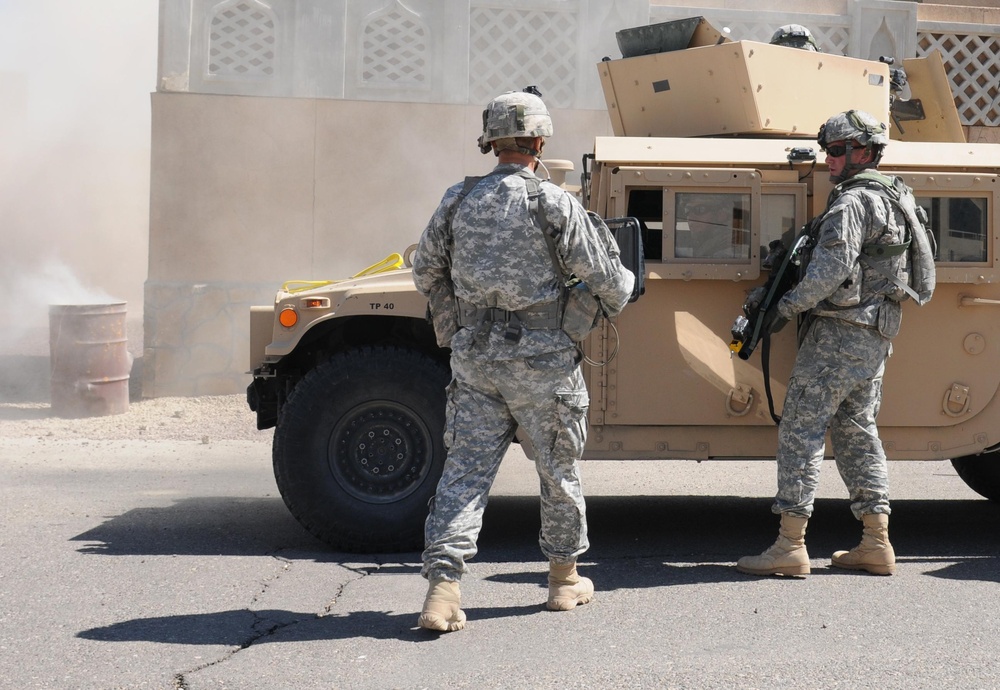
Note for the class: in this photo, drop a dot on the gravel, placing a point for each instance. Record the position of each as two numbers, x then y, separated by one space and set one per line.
204 419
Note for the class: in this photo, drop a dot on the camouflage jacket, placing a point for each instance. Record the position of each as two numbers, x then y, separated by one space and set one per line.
835 282
493 254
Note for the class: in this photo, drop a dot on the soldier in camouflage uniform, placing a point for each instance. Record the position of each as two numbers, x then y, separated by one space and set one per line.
852 314
496 295
794 36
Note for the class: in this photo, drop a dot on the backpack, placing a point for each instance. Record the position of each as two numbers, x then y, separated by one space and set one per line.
916 276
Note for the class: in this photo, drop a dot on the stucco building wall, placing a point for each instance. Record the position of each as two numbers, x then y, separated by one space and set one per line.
308 139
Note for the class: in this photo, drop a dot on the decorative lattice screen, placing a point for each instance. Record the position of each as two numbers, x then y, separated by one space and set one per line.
513 45
395 50
512 48
972 64
242 41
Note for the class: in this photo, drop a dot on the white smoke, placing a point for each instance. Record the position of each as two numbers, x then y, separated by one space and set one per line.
25 317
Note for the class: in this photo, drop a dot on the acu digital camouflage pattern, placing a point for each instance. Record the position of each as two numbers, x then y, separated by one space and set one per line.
493 254
856 125
794 36
487 400
515 114
836 283
837 378
837 381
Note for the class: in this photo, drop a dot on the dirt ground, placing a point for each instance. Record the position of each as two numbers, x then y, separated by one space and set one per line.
25 410
205 419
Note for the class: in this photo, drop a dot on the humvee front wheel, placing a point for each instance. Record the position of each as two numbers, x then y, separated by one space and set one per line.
359 448
981 473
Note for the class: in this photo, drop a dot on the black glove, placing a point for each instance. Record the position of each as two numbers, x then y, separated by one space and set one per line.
772 321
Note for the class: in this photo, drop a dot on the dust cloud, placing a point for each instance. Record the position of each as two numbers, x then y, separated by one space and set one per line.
75 83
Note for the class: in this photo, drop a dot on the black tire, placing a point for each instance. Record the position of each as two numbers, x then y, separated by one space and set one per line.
359 448
981 473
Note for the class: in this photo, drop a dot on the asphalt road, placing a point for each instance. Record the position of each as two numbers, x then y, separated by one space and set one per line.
174 564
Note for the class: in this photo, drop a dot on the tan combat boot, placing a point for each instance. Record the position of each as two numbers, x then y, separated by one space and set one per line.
874 553
567 588
787 556
441 612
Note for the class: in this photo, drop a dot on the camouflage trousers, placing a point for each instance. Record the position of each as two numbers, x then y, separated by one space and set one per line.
487 400
836 383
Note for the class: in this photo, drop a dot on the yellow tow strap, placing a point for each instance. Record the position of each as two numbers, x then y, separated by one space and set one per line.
301 285
390 263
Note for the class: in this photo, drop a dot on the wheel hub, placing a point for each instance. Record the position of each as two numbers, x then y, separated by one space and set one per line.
379 452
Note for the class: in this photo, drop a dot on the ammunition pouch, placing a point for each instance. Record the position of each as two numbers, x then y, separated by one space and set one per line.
897 273
583 311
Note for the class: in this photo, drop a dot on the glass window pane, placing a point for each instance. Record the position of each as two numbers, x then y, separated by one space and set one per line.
960 227
778 222
712 226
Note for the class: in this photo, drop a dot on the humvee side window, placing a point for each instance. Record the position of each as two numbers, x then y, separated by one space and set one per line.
712 226
960 227
646 205
778 220
697 224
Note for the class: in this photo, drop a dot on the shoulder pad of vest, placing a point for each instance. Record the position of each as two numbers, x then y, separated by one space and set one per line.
873 180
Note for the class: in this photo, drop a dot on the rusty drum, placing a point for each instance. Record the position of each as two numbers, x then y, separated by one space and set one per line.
90 362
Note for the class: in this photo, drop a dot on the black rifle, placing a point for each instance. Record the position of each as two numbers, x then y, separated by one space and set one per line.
760 315
760 311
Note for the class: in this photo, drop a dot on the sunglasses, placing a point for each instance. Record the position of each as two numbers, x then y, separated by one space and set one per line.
836 151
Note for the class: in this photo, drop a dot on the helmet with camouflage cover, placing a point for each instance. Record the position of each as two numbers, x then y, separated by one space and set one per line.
795 36
855 127
514 114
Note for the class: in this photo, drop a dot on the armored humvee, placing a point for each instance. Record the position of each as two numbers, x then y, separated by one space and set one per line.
714 154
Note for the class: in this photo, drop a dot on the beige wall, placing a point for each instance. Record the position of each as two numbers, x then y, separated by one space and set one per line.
269 189
248 192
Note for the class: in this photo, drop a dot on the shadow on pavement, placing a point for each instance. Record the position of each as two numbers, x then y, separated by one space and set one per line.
244 628
636 542
230 526
698 537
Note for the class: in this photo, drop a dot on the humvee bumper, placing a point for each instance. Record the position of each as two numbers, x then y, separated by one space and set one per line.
262 397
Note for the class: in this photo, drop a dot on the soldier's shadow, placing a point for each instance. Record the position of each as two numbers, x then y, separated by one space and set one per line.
244 628
656 541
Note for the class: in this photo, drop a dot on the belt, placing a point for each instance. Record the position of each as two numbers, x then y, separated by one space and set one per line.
547 315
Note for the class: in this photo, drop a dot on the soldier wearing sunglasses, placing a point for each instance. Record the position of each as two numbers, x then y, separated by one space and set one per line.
851 313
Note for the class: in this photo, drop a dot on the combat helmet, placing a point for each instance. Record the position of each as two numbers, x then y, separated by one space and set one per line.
855 126
515 114
795 36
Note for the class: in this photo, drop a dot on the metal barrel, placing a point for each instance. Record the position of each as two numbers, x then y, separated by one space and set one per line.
90 362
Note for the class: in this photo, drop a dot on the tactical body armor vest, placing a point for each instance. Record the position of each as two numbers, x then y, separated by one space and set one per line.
577 310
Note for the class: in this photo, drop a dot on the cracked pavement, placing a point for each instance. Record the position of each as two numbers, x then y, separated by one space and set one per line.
173 563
